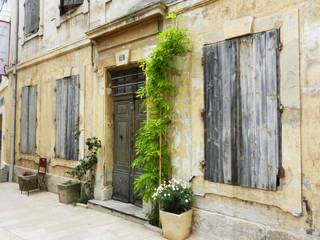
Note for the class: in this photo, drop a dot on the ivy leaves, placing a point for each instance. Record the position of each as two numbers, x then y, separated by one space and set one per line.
151 144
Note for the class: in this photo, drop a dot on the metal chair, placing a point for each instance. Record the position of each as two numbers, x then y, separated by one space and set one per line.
39 177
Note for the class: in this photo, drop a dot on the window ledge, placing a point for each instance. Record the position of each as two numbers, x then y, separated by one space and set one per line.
27 156
82 9
29 37
64 162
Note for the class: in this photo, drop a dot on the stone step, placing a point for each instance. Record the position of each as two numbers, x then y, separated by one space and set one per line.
126 211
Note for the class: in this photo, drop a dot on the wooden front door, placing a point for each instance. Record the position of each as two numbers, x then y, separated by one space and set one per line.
128 118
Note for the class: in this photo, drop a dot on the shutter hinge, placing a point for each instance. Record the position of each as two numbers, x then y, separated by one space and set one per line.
35 146
54 149
79 85
202 114
55 90
202 61
281 108
281 173
280 46
79 118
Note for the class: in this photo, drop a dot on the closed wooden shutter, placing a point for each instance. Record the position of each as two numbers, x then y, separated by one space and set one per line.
67 112
31 16
28 120
242 123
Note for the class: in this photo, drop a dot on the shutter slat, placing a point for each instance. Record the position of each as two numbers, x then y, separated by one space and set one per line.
229 92
58 117
24 120
217 114
261 166
245 133
70 101
272 42
209 65
32 119
207 96
75 117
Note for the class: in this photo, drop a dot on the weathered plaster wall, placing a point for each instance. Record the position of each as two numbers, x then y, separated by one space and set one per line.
231 212
44 75
234 212
310 101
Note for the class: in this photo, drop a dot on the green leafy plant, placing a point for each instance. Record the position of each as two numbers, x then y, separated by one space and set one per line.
85 168
151 145
175 197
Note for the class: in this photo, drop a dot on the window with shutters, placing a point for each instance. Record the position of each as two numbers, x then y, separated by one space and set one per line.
67 5
31 16
242 122
28 119
67 117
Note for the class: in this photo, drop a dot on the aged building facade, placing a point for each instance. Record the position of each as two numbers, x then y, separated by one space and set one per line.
247 117
5 96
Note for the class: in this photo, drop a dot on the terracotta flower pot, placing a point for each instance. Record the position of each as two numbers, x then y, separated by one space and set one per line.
174 226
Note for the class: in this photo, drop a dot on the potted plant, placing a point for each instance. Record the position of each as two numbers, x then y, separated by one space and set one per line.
33 183
68 191
84 171
3 175
175 199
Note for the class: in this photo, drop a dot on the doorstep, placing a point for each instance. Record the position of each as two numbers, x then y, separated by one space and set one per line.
126 211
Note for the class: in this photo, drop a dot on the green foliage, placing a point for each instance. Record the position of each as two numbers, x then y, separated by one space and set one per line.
153 216
175 197
85 168
172 42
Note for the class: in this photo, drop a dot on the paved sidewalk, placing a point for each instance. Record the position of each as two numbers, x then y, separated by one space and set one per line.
41 216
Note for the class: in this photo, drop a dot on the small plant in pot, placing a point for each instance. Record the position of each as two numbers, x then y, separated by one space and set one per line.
175 199
33 183
3 175
84 171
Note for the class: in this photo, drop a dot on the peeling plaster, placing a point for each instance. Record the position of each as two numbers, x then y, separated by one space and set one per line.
306 182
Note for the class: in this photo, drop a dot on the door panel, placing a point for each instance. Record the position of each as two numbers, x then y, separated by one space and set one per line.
122 158
129 116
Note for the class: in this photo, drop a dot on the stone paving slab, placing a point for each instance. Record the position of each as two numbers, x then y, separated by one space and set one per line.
41 217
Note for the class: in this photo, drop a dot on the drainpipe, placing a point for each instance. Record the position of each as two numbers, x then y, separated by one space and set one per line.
14 94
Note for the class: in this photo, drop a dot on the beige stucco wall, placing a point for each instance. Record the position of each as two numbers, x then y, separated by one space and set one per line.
219 208
61 48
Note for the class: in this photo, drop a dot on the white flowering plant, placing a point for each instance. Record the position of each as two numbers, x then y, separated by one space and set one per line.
175 197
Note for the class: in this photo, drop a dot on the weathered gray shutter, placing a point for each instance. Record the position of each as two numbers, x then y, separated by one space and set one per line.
72 2
24 120
242 124
28 119
31 16
32 119
67 112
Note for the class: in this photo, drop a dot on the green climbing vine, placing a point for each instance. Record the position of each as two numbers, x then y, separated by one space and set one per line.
151 145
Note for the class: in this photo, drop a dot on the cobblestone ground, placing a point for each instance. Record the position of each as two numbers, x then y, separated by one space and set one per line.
41 217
